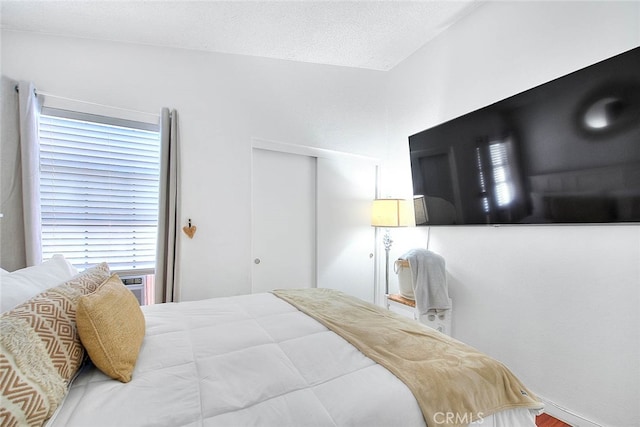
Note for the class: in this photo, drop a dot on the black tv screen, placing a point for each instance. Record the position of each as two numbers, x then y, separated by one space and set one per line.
567 151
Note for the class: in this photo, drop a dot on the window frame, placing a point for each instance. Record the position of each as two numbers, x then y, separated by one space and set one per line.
58 113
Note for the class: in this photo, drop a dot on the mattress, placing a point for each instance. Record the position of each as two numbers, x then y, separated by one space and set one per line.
247 360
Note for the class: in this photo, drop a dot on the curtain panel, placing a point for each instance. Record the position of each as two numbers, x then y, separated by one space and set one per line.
166 256
29 107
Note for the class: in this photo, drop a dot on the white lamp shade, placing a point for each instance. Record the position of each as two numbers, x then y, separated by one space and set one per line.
392 213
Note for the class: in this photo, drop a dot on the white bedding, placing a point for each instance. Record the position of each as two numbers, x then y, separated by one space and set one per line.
246 360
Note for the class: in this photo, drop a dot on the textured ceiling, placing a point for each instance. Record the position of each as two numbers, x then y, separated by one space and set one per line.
364 34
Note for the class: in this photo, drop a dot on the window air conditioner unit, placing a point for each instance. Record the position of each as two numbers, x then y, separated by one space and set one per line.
137 285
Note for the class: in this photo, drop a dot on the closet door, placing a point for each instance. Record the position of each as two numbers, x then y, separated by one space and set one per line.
311 220
346 240
284 220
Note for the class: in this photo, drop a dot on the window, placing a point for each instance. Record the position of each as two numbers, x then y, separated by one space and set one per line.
99 190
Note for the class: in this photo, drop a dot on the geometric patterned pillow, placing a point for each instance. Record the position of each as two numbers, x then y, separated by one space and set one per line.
40 350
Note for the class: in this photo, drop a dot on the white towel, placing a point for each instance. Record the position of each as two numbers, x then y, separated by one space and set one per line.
429 278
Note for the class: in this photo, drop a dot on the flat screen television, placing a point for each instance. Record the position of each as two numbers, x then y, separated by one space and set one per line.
567 151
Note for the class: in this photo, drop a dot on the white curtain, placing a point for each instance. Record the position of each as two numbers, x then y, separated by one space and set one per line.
29 106
167 289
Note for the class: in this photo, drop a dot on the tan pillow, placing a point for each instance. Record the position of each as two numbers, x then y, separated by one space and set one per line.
40 350
111 327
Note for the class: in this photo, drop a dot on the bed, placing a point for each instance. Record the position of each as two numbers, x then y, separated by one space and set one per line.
288 358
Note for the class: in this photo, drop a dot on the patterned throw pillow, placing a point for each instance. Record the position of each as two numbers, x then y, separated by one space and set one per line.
40 350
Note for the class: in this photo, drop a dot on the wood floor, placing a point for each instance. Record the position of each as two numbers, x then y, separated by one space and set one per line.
545 420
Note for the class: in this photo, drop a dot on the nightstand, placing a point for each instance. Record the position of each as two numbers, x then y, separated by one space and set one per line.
405 307
401 305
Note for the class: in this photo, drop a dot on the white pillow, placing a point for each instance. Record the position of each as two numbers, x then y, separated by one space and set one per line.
20 285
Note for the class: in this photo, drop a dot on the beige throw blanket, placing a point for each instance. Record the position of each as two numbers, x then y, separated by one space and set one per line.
453 383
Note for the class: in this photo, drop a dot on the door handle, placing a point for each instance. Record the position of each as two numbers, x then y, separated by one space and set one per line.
256 261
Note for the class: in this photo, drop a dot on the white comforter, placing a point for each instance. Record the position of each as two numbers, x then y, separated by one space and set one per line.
247 360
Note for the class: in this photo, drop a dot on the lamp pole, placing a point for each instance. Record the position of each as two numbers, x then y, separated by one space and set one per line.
386 240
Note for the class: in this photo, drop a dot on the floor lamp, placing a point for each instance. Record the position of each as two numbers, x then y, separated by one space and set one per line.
388 213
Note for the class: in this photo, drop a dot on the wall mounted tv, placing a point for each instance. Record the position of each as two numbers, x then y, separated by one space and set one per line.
567 151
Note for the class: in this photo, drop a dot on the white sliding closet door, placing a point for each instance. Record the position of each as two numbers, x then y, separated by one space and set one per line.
311 220
346 240
284 220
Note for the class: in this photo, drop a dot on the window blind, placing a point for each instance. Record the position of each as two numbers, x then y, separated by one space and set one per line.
99 189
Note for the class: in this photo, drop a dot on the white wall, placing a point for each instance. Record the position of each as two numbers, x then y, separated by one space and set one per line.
12 256
558 304
222 101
